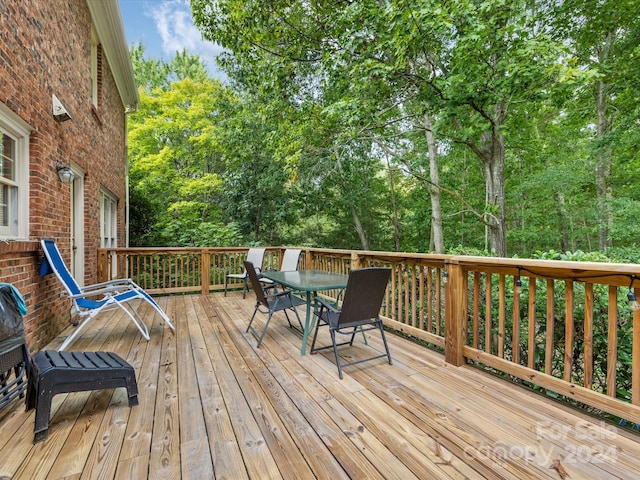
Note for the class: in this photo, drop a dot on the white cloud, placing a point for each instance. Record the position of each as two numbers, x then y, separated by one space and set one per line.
175 26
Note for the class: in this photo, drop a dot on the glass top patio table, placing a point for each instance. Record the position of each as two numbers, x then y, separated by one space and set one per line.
309 282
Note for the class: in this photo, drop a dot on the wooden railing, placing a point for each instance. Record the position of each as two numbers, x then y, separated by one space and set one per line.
565 328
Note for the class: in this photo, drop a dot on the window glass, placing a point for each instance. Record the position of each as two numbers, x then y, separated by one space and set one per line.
108 223
14 175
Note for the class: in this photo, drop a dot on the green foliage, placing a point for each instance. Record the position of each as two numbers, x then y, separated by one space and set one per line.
320 136
556 325
202 234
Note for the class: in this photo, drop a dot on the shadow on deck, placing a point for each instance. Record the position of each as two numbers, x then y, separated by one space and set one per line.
214 406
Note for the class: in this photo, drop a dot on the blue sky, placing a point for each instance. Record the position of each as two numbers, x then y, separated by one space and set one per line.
164 27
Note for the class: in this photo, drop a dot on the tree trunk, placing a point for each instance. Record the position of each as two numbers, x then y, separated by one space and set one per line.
364 241
494 169
392 190
491 151
437 236
603 163
563 223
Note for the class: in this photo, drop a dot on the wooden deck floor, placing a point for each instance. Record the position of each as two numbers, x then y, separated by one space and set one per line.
214 406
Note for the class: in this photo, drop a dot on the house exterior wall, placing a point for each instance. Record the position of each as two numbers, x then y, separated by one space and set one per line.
45 49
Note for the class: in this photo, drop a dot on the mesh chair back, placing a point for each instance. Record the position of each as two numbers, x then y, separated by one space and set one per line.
290 260
255 283
255 256
363 296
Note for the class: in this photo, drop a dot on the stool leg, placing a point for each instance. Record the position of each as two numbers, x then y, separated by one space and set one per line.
32 389
43 397
43 411
132 388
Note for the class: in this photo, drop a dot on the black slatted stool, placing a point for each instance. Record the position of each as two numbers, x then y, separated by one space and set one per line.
54 372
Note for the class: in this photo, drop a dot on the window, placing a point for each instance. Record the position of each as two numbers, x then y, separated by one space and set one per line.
14 181
109 220
96 69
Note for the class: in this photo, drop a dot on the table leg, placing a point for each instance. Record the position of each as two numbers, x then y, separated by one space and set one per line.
307 325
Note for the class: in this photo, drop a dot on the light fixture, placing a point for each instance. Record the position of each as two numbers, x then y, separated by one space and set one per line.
59 112
65 173
518 288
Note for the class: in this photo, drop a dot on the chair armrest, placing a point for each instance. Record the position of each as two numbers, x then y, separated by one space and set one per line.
283 293
326 305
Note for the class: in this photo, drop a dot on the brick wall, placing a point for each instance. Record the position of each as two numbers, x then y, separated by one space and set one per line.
45 49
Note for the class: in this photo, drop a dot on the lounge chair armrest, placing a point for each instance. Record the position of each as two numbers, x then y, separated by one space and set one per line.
99 291
121 282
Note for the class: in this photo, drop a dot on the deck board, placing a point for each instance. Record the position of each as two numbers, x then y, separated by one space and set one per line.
214 406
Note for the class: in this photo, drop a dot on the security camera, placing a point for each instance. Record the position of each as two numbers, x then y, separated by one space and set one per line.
59 112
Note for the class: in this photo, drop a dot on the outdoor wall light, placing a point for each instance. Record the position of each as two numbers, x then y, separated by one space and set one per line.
65 173
59 112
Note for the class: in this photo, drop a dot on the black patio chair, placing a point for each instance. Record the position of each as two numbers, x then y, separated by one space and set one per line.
359 312
273 302
14 358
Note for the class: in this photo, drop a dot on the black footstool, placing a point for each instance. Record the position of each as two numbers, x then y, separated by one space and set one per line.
54 372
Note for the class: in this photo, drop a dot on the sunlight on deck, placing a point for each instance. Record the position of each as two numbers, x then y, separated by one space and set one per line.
214 406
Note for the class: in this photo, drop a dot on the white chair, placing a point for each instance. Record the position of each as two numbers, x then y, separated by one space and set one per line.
89 301
255 256
289 263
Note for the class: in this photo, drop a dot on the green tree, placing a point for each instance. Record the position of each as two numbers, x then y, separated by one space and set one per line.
462 63
605 35
150 73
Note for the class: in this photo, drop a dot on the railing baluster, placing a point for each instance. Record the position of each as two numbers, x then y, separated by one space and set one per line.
531 324
612 341
548 350
566 330
569 336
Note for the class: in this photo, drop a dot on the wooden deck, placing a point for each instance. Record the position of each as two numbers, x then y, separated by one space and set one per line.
214 406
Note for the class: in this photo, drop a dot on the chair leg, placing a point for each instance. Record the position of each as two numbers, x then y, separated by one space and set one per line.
259 335
297 316
245 289
335 351
226 281
315 334
252 318
384 341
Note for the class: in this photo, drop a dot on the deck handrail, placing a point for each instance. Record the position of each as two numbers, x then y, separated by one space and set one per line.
543 322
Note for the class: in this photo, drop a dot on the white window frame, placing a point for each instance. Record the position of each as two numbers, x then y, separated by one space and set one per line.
94 67
17 129
108 219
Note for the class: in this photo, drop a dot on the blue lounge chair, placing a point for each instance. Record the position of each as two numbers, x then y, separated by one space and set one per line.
89 301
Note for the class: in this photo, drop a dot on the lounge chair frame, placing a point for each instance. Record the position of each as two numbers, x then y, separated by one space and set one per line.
113 294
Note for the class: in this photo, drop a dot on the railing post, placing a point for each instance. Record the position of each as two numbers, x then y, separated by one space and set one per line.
309 260
455 314
205 260
103 265
356 261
